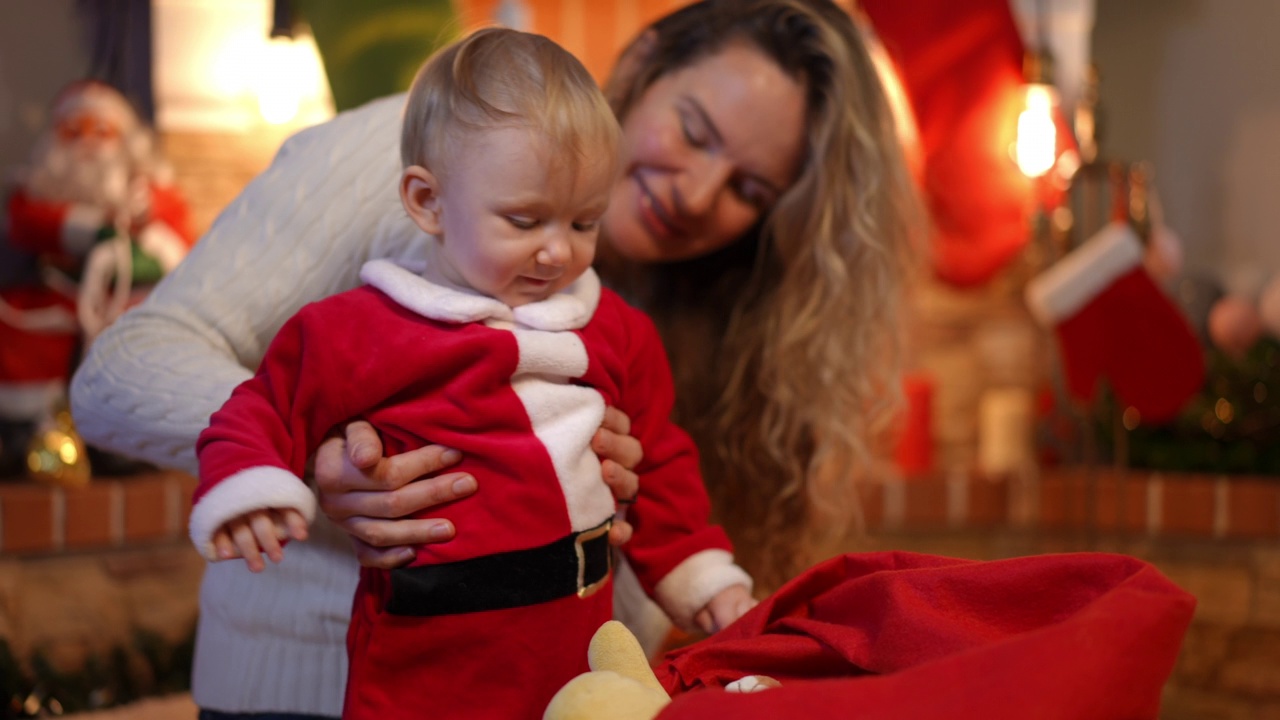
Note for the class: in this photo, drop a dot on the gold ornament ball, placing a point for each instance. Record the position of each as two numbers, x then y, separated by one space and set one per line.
57 456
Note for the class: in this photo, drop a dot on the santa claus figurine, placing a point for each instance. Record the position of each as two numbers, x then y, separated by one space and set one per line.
91 222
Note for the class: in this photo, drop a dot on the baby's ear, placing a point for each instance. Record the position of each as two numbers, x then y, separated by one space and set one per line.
420 195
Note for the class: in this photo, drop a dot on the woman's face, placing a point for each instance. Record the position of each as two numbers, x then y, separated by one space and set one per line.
707 150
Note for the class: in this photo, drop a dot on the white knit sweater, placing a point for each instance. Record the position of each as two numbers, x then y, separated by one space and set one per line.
299 232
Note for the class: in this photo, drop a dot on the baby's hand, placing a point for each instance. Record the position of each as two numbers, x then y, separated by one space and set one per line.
728 605
258 532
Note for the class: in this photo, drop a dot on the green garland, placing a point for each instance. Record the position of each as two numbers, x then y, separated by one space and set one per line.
1231 427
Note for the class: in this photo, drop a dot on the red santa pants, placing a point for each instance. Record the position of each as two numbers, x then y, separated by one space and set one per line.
501 664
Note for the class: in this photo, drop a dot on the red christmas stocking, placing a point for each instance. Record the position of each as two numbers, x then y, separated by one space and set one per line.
1112 321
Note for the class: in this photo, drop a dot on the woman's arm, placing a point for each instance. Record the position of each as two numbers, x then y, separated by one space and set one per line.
299 232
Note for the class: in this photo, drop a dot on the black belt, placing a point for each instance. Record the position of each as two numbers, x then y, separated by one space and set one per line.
578 564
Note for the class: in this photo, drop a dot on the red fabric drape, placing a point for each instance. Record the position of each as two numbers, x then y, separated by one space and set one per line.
902 635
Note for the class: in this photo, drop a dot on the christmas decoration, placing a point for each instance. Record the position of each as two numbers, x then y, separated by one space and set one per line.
961 66
57 455
1240 318
1234 325
1232 426
1112 321
1269 307
91 222
1250 307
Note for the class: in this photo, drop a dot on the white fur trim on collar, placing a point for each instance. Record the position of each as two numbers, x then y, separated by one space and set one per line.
568 309
1064 289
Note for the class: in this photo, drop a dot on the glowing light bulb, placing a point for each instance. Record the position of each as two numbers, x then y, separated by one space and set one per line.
67 451
279 84
1036 147
288 75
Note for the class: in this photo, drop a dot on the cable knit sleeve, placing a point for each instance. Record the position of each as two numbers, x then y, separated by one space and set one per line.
298 232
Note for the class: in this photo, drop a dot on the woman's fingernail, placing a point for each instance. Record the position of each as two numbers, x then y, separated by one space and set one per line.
464 484
449 457
439 531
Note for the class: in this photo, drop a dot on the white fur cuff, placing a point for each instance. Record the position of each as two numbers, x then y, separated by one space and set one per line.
255 488
1062 290
691 585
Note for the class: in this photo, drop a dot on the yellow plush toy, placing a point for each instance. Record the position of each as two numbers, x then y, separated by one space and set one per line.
621 685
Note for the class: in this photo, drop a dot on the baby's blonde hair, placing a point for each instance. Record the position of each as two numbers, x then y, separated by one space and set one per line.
497 77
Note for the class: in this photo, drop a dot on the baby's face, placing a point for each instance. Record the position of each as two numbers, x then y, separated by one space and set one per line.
516 222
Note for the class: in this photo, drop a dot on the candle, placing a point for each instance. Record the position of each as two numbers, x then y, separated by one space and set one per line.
913 452
1005 425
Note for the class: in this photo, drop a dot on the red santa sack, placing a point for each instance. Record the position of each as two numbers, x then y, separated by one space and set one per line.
903 635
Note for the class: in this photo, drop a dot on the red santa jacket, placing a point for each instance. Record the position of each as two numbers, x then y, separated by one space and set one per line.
67 231
520 392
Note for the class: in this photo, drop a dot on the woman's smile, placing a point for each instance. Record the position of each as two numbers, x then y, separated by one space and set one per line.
655 215
708 148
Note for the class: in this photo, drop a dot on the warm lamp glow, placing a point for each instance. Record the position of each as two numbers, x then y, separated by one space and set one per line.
289 73
217 69
1036 147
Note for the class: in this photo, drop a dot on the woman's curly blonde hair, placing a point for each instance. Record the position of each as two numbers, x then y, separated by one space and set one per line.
785 345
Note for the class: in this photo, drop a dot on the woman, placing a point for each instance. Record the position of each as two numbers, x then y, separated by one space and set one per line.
763 219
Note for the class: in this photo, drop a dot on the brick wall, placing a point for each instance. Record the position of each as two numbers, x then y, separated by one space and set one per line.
82 570
108 513
211 169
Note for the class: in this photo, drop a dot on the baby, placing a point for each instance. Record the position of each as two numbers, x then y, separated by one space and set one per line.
505 347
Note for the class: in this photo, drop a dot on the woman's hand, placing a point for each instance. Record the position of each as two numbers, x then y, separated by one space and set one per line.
367 494
619 455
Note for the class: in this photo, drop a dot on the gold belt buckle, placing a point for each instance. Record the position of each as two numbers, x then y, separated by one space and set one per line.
586 591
